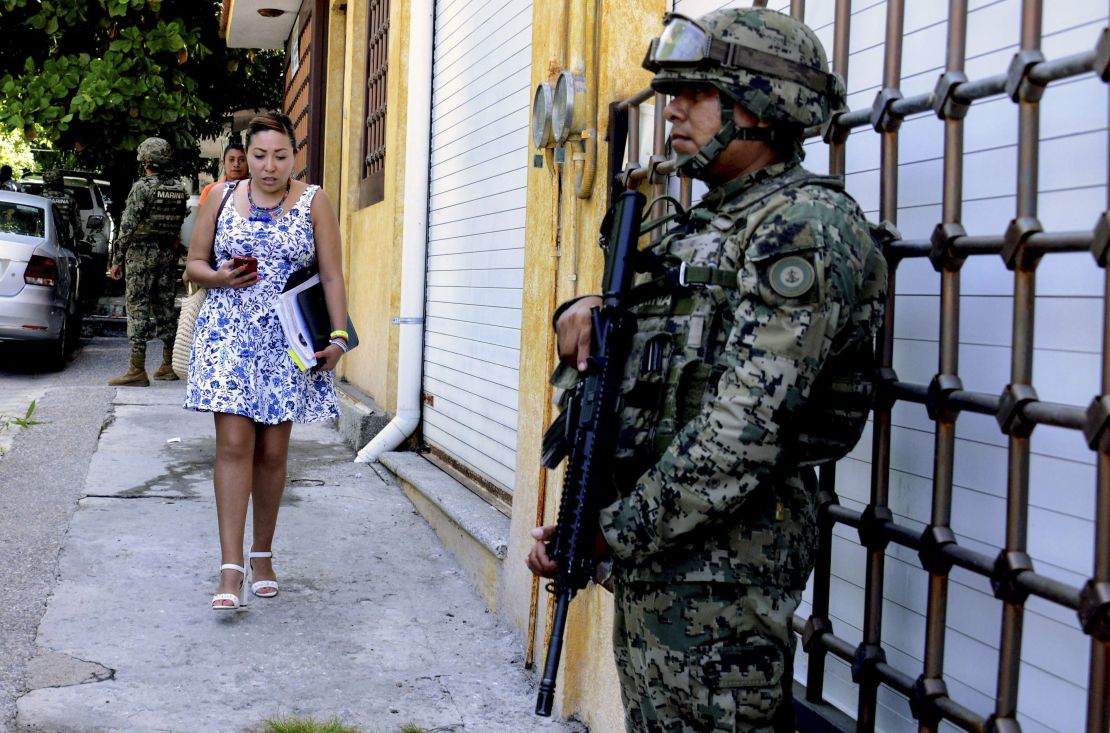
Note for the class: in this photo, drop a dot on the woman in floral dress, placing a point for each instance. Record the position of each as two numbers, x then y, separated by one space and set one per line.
240 369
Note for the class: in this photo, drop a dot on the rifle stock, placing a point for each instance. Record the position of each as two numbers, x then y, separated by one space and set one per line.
591 430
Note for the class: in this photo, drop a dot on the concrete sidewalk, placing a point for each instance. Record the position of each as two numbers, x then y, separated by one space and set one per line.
375 624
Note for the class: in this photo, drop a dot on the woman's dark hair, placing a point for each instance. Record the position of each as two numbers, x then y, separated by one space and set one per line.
233 145
274 122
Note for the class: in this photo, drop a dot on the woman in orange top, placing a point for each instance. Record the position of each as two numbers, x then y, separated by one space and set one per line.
235 168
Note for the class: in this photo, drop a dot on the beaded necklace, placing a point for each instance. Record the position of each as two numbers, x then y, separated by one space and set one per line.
264 213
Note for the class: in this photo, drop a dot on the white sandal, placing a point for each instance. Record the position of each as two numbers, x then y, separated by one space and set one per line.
263 588
237 601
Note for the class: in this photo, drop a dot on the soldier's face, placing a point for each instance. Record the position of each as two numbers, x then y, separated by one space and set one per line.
270 159
695 117
235 165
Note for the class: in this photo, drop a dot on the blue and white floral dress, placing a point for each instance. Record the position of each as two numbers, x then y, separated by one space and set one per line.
240 364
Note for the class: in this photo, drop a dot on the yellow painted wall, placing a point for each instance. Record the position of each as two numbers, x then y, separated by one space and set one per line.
333 101
562 260
372 234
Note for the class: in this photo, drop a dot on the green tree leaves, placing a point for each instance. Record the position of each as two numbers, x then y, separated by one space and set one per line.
98 76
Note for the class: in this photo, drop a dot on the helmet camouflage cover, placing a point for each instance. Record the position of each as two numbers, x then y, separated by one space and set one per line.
154 150
763 39
51 177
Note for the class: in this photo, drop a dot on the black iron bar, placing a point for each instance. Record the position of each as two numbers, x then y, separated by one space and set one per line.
822 578
1021 374
960 716
1098 686
974 90
844 515
880 465
992 244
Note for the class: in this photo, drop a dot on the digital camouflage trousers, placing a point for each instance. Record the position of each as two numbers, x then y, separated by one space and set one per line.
151 279
704 657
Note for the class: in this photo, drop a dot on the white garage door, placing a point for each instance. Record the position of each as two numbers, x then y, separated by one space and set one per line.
480 113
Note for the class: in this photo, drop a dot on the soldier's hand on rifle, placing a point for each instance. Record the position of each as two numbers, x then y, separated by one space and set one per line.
574 330
115 272
538 561
541 564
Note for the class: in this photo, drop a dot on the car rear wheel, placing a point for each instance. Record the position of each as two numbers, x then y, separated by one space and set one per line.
53 354
75 315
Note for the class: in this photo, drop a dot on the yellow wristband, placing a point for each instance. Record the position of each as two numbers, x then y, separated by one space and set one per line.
339 334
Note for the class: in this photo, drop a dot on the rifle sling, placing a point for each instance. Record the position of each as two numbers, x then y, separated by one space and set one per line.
674 278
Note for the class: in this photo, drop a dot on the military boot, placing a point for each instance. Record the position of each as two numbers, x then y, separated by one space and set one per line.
166 372
136 375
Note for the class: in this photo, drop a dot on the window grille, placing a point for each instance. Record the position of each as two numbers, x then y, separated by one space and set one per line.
298 105
372 184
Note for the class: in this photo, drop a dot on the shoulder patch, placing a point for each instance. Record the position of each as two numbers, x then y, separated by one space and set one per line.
791 276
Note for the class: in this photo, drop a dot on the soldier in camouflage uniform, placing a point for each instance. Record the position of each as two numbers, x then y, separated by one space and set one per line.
53 188
752 363
146 249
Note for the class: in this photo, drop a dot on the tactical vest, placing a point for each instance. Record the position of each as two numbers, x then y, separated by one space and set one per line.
165 210
63 202
685 315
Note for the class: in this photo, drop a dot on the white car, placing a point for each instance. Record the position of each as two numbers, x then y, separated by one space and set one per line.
97 223
91 205
40 281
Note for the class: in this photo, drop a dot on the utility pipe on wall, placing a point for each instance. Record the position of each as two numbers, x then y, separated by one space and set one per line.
414 239
585 168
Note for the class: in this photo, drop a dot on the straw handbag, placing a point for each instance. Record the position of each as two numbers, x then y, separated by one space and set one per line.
190 308
186 325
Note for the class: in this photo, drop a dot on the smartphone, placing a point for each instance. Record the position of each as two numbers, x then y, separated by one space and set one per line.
251 264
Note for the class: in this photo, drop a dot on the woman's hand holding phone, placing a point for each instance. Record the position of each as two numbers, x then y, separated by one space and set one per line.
240 272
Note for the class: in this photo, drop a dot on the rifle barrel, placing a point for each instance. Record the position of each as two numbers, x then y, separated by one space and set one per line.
546 695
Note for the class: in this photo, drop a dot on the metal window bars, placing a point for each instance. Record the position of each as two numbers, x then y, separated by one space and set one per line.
372 179
377 66
1018 410
297 94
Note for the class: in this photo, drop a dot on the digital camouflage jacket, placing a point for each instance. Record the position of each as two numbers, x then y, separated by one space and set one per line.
153 214
737 385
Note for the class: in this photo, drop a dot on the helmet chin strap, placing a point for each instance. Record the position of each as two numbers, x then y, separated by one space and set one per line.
695 164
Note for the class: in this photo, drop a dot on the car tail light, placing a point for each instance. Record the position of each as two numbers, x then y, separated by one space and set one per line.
41 271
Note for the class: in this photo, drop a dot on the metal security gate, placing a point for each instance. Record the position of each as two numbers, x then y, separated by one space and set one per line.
480 108
305 87
965 543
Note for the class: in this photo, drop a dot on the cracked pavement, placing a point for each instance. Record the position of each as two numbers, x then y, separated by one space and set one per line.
105 624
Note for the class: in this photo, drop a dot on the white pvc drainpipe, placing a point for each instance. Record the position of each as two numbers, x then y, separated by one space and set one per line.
414 242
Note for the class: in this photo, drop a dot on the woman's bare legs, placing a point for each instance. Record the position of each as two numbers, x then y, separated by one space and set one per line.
235 447
271 454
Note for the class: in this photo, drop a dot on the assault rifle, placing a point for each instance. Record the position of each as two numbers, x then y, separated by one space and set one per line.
585 432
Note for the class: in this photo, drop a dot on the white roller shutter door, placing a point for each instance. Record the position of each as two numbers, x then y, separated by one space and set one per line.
477 188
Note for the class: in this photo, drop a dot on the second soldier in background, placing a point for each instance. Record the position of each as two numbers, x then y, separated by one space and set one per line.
53 188
146 252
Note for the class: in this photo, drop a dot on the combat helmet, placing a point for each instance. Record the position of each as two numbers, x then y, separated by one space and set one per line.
154 151
52 178
770 63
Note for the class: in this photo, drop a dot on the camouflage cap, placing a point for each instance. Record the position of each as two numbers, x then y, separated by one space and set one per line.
52 177
154 150
778 69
